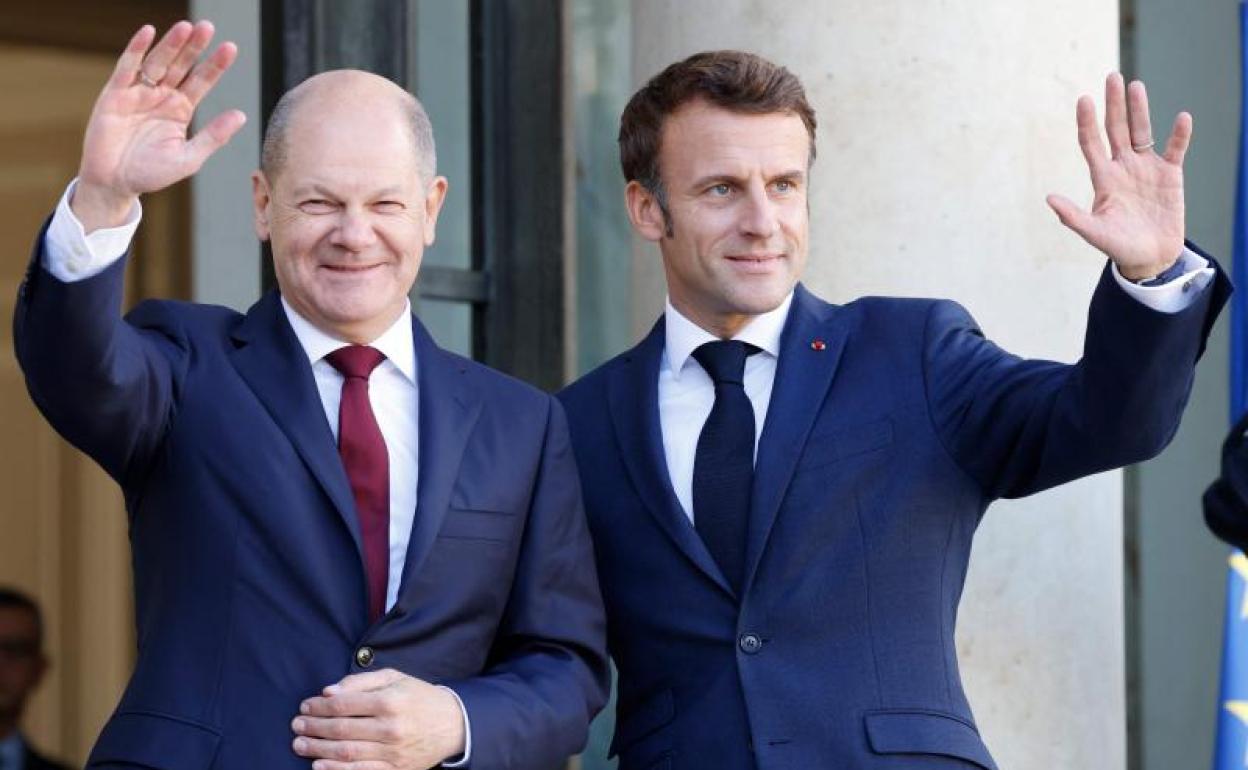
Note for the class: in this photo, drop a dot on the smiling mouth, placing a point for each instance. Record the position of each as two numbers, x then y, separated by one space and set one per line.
349 268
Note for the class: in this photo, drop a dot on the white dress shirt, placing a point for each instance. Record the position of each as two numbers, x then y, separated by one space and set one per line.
393 388
394 394
686 392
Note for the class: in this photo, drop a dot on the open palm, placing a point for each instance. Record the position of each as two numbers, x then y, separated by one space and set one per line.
137 140
1137 213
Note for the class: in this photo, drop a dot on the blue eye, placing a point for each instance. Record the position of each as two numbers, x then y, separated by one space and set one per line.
719 190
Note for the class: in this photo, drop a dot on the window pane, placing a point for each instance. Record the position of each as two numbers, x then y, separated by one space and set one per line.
439 57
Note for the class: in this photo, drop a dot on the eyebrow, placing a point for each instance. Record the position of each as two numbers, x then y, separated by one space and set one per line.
711 179
319 189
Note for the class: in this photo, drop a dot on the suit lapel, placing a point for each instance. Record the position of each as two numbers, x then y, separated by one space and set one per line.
810 349
633 397
275 367
448 409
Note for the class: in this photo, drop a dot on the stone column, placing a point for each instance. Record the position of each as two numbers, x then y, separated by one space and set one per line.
942 127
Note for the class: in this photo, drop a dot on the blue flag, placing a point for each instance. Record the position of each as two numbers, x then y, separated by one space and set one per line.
1231 751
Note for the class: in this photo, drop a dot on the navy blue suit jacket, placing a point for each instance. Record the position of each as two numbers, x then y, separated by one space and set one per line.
881 449
248 575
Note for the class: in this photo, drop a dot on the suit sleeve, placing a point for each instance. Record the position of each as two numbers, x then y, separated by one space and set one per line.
1226 500
105 384
549 677
1020 426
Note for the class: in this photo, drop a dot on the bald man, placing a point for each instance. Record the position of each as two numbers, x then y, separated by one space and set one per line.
349 545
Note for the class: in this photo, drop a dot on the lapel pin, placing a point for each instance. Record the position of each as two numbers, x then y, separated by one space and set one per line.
818 345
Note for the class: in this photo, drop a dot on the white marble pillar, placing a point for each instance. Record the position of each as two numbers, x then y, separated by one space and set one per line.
942 127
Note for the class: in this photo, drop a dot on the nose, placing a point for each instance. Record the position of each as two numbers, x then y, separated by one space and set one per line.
354 231
758 214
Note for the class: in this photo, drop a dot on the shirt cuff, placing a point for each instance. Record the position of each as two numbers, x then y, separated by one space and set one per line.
1174 296
71 255
467 756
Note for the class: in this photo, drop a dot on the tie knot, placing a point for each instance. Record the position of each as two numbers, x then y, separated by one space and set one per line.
724 360
355 360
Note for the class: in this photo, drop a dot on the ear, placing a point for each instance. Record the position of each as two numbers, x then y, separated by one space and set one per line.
435 196
644 212
261 196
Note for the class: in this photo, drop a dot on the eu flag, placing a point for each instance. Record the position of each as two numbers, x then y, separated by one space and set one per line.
1231 751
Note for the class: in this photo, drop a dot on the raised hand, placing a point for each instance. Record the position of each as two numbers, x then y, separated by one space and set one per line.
1137 216
137 138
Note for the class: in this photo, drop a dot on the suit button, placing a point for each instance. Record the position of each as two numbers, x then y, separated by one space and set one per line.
750 644
364 657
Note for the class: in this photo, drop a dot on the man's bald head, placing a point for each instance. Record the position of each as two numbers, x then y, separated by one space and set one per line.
352 95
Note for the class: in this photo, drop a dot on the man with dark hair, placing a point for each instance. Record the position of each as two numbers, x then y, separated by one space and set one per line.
783 492
349 545
22 666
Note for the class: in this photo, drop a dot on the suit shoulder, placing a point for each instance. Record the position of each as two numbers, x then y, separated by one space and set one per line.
907 314
170 313
591 386
500 388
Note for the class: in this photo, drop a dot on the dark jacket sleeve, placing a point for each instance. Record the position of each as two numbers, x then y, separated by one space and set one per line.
104 384
532 708
1020 426
1226 500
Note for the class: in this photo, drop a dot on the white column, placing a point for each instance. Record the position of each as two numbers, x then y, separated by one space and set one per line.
942 127
226 266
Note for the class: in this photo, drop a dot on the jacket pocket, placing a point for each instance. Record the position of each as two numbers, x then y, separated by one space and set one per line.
917 731
654 712
831 446
156 741
475 524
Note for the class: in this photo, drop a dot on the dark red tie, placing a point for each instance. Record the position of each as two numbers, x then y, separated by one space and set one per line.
363 451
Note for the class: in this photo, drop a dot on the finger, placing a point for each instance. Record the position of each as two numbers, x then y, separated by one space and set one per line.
1071 215
1180 138
329 764
127 69
1089 133
206 74
342 751
213 137
1116 115
342 728
1137 116
163 54
201 35
352 704
366 682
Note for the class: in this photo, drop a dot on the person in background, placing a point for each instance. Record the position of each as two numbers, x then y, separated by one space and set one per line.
22 666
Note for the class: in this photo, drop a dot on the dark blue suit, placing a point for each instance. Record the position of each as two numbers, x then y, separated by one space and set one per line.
249 581
881 449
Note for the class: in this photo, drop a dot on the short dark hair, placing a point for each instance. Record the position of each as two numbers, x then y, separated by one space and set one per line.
735 80
13 599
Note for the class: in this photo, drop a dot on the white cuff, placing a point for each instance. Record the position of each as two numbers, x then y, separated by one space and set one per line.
1176 295
71 255
467 756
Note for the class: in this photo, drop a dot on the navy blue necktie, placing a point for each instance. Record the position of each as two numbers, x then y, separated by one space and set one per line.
723 468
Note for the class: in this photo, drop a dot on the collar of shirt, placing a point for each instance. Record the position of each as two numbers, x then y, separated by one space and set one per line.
395 343
684 336
12 750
